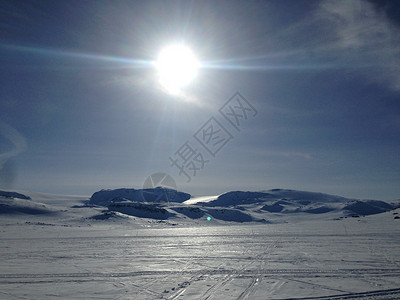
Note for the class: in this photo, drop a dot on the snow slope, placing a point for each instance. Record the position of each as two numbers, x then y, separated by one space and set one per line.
290 201
16 206
13 195
17 203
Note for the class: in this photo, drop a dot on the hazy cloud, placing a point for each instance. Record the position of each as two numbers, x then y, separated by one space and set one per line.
15 138
365 36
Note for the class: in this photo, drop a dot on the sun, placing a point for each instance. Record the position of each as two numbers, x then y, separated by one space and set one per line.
177 66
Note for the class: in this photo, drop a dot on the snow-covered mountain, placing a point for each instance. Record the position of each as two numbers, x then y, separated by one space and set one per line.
290 201
285 196
14 195
17 203
276 205
235 206
155 195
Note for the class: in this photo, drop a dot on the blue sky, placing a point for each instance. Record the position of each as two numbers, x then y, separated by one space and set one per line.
81 108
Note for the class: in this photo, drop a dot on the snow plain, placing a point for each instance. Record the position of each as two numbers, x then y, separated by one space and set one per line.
66 253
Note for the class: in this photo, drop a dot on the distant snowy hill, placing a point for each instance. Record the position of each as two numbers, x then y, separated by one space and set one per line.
235 206
16 203
107 197
142 203
14 195
368 207
285 201
285 196
160 204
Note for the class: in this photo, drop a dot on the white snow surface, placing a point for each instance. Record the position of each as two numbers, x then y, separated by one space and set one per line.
77 250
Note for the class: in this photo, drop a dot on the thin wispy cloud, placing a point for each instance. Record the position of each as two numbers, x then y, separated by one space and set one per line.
351 35
364 36
18 142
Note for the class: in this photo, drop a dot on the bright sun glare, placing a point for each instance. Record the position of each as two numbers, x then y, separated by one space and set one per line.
177 66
